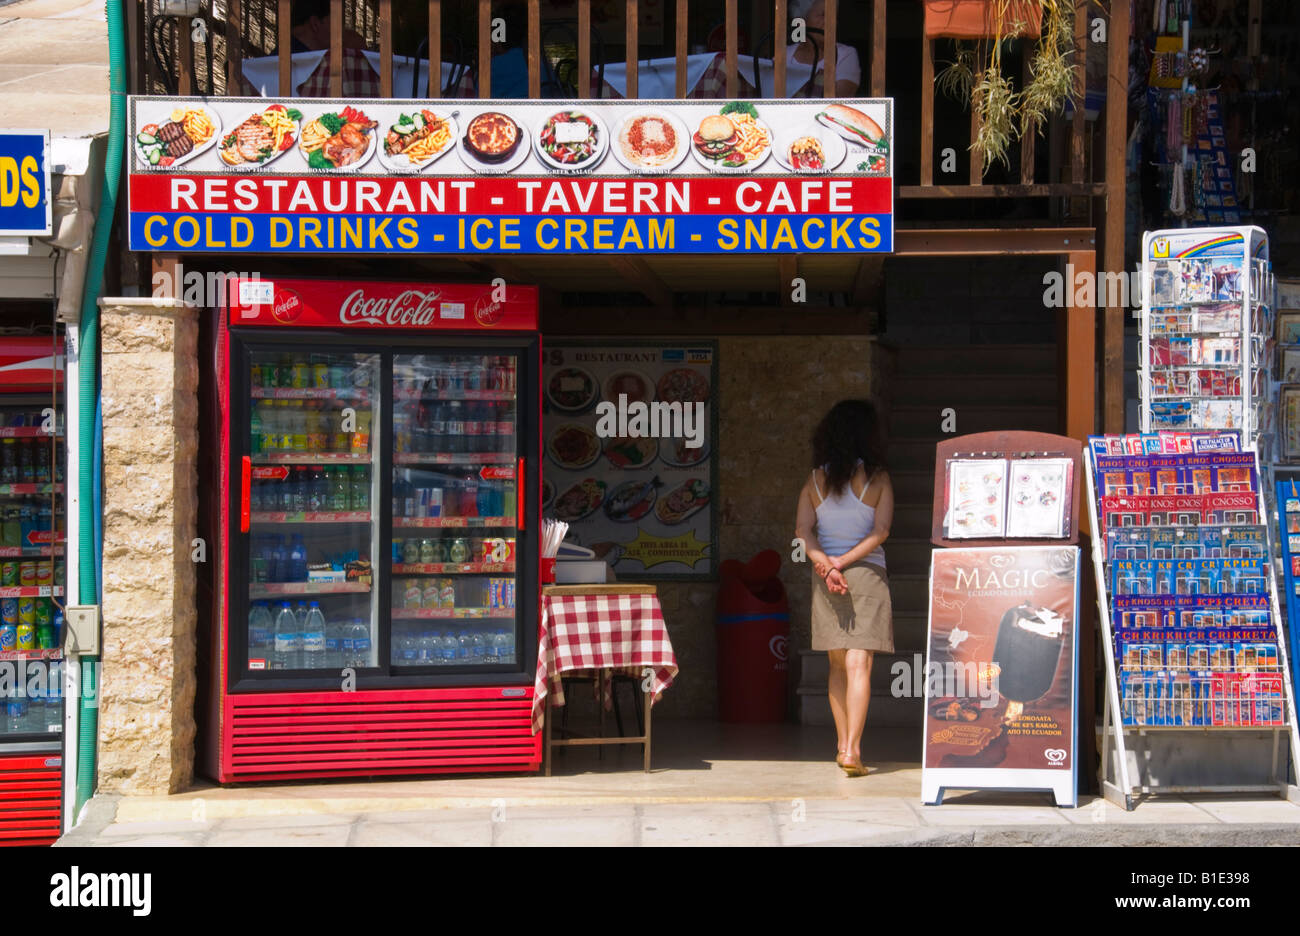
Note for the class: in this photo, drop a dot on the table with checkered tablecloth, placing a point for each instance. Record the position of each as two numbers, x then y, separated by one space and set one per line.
603 629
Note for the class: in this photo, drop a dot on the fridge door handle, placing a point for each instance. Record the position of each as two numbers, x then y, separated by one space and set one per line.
245 480
521 496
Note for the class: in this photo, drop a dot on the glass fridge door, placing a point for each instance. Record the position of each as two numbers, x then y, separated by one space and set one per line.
32 572
453 557
312 605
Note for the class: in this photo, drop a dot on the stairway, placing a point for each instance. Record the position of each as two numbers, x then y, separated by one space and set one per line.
989 387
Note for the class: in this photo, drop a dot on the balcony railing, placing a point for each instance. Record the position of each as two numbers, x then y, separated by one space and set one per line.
697 49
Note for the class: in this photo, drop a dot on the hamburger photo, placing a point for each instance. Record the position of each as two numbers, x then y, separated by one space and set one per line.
853 125
716 138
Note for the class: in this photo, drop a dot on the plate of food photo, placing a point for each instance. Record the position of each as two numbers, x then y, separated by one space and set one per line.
572 390
855 127
810 149
631 453
263 137
184 134
632 500
674 452
683 385
733 141
339 141
637 387
685 500
416 140
574 446
493 143
651 142
580 501
571 141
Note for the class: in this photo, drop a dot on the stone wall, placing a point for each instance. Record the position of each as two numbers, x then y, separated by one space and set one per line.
772 392
150 410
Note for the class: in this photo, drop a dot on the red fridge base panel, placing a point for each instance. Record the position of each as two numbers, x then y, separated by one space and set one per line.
297 735
474 307
26 364
31 799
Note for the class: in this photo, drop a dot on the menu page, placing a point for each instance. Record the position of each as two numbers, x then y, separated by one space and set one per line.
977 498
1039 498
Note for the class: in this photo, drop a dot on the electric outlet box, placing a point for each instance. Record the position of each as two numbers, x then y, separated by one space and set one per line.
182 7
81 630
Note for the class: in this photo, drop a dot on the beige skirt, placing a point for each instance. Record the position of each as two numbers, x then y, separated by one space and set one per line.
861 620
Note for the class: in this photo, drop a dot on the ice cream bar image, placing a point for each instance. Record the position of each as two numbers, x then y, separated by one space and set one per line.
1027 652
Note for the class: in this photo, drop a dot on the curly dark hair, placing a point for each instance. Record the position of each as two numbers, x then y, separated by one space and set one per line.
850 431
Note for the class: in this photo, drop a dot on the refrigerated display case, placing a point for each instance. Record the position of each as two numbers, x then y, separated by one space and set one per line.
32 577
376 599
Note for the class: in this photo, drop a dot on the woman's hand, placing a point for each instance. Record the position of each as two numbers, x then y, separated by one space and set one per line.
836 583
837 562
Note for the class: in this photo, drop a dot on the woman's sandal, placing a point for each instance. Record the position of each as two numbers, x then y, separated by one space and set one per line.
839 758
854 770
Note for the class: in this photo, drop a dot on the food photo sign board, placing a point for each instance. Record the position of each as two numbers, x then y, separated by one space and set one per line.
630 465
999 680
310 175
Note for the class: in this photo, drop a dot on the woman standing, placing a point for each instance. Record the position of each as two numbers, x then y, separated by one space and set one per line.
845 510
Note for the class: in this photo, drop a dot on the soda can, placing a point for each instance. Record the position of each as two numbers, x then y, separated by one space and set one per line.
447 593
255 375
26 611
8 637
43 614
26 636
9 611
58 573
44 573
27 574
300 376
320 376
9 574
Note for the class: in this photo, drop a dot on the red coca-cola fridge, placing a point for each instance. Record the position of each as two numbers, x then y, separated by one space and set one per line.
375 482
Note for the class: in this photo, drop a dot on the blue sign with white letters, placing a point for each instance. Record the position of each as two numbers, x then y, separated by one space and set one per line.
25 182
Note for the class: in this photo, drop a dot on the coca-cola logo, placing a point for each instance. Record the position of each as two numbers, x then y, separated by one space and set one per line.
411 307
287 306
488 312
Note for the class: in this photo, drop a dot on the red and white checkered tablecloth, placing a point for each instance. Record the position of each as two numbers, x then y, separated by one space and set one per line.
598 632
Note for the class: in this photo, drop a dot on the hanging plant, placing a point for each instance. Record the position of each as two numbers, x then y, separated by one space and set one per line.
1005 114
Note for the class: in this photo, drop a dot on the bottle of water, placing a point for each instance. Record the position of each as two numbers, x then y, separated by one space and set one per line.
447 646
298 561
492 646
478 648
16 710
408 650
334 644
285 655
261 632
464 648
313 638
507 647
54 700
356 644
428 654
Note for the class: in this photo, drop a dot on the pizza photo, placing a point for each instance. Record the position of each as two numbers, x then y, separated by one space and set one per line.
573 446
683 385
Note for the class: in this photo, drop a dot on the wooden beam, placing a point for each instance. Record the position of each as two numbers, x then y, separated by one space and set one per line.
1038 190
534 49
830 54
584 48
641 277
787 268
234 48
732 30
336 48
1078 343
681 29
435 50
385 48
780 17
633 70
284 46
1027 139
1078 127
1113 237
927 111
484 48
972 242
878 36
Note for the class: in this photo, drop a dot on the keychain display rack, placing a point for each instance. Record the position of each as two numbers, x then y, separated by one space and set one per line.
1188 603
1207 341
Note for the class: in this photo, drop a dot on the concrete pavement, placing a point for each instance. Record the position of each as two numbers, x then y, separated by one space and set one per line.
54 66
711 785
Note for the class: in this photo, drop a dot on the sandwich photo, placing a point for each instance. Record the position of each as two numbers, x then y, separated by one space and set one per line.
853 125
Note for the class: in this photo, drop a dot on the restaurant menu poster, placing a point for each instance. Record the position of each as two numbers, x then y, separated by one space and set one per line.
629 430
977 498
999 681
1039 498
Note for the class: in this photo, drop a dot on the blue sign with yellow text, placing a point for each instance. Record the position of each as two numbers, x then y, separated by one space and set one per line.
25 182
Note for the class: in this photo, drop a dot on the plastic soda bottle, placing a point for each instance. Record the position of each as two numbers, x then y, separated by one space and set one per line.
360 488
313 638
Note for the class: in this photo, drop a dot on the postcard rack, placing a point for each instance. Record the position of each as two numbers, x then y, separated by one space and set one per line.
1006 488
1198 647
1207 342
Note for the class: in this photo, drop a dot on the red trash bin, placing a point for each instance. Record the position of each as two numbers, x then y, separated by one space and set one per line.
753 629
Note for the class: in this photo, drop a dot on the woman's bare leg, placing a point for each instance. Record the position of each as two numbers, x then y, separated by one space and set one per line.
857 668
837 686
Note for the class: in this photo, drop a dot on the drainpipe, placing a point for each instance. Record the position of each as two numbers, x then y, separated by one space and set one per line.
89 543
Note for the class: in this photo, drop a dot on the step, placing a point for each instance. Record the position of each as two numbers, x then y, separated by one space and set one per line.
976 359
883 712
994 388
922 422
